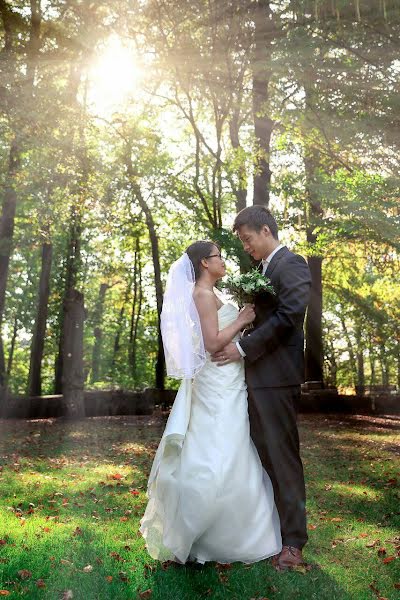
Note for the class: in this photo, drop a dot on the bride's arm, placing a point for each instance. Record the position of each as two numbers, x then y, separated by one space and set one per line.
214 340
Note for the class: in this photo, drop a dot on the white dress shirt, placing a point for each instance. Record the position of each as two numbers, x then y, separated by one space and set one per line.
265 262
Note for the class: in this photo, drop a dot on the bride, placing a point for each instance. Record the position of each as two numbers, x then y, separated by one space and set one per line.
209 497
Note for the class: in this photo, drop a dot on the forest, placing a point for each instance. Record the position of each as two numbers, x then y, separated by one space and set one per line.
129 129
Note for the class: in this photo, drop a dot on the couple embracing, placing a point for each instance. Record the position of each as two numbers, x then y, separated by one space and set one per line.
227 480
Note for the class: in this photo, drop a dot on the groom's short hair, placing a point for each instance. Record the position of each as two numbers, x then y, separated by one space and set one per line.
255 217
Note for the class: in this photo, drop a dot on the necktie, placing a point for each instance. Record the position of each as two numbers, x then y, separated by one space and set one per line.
265 264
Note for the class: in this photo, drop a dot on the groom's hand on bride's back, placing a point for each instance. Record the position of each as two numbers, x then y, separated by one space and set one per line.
227 355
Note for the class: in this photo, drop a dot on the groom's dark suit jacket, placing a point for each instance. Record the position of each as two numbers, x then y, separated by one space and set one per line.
275 347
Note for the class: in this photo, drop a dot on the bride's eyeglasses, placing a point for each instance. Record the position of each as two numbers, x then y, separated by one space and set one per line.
212 256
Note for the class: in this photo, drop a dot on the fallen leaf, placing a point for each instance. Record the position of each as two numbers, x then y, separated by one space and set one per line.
116 476
381 551
223 566
300 569
396 586
67 595
2 543
24 574
4 593
67 563
109 578
146 593
116 556
310 526
336 519
363 535
372 544
123 519
87 569
388 559
40 583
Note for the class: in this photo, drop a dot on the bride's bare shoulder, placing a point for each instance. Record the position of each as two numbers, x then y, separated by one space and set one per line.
205 299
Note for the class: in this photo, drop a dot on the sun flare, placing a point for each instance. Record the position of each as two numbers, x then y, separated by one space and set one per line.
114 76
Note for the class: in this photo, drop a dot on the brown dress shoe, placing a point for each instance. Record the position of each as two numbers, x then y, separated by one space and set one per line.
289 557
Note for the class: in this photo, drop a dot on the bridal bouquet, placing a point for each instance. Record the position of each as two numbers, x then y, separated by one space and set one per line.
244 287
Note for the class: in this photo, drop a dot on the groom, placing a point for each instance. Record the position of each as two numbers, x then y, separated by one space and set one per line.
274 359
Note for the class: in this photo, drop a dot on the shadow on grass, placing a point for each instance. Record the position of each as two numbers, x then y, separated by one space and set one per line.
243 582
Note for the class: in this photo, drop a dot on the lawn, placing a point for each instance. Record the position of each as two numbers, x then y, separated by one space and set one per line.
72 494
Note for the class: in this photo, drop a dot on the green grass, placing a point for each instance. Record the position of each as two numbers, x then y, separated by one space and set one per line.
72 494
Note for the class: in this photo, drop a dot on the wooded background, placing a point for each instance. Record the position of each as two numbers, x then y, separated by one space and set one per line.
294 105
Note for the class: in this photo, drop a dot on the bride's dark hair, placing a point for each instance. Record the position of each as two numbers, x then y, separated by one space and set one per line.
197 251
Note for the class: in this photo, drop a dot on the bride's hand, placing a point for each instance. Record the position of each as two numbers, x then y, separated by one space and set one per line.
247 315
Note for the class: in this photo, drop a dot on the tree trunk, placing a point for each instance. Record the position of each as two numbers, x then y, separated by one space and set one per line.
73 254
10 196
71 271
98 332
12 347
241 190
73 375
314 354
333 368
360 363
120 325
37 348
34 44
264 32
160 363
353 364
6 238
371 361
384 365
136 310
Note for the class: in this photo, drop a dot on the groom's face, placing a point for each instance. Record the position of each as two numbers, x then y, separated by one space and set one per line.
255 243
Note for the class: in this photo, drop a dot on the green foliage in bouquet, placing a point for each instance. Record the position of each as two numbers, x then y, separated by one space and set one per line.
244 287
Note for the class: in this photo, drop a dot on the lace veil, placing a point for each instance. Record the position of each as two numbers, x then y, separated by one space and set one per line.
180 323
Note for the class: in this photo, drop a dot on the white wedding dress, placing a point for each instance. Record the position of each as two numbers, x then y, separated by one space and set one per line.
209 496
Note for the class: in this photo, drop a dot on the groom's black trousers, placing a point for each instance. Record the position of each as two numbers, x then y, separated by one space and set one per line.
273 427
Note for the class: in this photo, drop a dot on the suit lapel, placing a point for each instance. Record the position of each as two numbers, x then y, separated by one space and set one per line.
275 260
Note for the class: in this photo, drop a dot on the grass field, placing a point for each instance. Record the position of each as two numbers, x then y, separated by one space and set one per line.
72 494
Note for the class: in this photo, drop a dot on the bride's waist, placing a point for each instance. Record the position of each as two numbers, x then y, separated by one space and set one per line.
231 373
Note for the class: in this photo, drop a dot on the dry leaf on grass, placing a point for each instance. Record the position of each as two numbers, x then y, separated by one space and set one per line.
24 574
87 569
66 562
